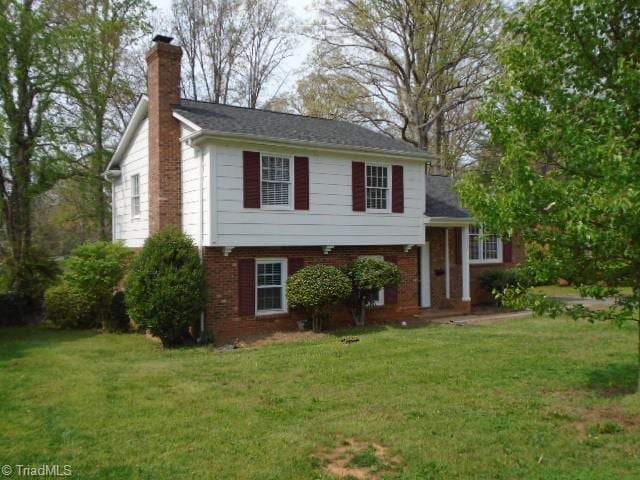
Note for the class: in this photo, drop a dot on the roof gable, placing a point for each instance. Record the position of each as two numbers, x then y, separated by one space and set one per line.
442 201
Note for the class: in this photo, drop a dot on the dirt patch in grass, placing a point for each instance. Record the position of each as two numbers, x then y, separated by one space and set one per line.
353 458
260 340
594 420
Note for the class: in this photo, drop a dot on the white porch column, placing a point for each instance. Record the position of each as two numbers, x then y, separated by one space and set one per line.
425 278
466 288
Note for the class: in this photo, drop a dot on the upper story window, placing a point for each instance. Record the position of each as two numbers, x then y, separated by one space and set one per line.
275 177
484 247
377 187
270 286
135 195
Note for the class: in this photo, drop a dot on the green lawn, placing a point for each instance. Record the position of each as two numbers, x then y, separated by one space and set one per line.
534 398
560 291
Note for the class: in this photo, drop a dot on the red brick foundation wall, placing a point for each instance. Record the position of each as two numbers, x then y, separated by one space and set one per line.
222 288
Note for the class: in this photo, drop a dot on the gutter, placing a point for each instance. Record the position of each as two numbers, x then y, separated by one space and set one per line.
448 221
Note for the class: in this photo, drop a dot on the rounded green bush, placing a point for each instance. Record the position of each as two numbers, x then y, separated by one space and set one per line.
95 269
368 275
164 291
496 281
67 307
314 288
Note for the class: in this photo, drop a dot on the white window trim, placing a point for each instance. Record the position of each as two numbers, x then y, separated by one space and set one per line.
482 261
380 302
134 215
291 180
389 192
284 274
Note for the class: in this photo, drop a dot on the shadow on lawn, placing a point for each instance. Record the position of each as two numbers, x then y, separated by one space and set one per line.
614 380
16 341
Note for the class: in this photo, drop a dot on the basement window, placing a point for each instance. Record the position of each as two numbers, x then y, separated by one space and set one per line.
271 275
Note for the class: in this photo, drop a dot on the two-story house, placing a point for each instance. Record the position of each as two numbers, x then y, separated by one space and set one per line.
264 193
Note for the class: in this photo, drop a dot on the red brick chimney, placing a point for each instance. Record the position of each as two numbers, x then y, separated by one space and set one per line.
165 184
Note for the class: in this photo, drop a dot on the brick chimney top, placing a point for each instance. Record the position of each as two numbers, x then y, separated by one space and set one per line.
162 39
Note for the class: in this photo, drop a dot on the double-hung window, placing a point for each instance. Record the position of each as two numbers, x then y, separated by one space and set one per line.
270 286
378 188
135 195
275 177
484 247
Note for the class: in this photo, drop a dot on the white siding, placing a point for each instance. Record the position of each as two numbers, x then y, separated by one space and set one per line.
330 220
192 195
133 231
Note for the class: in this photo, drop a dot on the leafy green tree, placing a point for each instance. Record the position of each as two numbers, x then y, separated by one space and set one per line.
368 276
34 68
99 97
564 115
164 291
315 288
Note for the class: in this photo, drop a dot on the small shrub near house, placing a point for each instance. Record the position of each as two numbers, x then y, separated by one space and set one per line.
164 291
315 288
368 276
68 307
496 281
92 275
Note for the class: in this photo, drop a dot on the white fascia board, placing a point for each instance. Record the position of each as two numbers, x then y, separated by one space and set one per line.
448 221
139 114
203 135
187 122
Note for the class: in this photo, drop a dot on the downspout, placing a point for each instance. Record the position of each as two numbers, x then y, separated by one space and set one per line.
201 226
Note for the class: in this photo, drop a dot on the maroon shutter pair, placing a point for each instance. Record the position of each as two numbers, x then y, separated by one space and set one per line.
251 181
358 187
247 282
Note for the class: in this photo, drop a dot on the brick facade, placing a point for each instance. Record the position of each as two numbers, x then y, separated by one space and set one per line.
165 185
226 323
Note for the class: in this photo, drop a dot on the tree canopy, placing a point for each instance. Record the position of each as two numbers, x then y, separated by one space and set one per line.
564 115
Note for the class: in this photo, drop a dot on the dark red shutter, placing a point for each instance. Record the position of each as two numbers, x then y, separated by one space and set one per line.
391 293
507 251
357 186
294 265
397 189
301 183
251 179
458 245
246 286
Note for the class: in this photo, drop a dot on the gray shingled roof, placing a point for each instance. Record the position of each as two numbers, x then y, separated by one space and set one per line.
285 126
441 199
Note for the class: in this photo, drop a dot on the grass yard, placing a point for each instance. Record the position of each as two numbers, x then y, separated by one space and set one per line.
534 398
567 290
